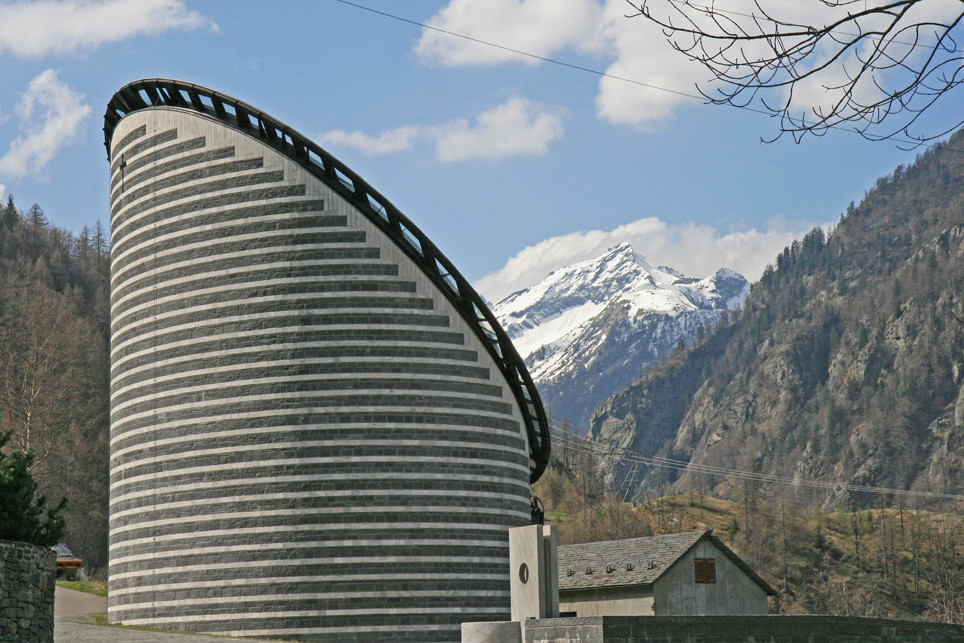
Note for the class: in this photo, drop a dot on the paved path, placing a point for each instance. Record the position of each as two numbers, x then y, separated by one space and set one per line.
69 601
74 623
80 629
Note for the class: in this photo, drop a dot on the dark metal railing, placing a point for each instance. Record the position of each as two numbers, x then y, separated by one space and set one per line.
161 92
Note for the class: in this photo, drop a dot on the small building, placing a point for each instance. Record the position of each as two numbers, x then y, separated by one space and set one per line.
677 574
69 566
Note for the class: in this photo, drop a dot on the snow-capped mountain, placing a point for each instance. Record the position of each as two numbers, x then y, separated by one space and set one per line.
587 330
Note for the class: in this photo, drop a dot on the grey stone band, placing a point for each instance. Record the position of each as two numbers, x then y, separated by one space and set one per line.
307 440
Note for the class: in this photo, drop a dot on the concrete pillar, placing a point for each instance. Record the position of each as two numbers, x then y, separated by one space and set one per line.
533 582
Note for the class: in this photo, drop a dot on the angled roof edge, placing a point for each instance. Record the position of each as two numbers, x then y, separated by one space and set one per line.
729 553
645 559
162 92
678 555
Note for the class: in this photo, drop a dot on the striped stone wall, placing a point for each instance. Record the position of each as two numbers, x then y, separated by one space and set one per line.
307 440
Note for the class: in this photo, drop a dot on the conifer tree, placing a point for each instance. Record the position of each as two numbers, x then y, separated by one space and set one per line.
36 219
9 216
24 514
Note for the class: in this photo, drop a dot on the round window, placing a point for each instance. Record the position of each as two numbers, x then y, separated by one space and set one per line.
524 573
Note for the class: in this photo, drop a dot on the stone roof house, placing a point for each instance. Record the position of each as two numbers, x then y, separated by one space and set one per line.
676 574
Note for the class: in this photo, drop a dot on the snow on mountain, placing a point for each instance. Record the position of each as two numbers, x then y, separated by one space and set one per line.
586 330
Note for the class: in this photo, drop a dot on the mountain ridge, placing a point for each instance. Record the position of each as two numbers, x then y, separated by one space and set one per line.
846 363
588 328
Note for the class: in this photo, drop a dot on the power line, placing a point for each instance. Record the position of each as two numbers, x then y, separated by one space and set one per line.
527 54
603 74
622 455
625 455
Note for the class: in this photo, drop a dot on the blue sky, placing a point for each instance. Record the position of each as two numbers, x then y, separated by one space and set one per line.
512 166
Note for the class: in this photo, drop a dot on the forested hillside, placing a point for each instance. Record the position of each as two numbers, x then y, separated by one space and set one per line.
897 562
846 364
54 368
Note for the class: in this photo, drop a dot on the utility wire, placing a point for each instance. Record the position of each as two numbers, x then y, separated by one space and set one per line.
582 445
519 52
624 455
603 74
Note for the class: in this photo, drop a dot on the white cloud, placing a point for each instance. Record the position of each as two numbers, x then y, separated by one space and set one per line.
641 54
35 29
396 140
636 49
517 127
510 129
537 27
50 115
695 250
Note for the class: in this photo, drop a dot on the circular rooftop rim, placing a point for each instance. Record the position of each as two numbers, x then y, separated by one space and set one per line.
163 92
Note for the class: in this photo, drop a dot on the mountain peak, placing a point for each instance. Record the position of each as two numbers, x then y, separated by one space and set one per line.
620 249
623 252
612 307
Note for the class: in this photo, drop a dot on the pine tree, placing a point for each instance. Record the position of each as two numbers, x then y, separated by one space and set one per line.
10 215
101 246
24 514
36 219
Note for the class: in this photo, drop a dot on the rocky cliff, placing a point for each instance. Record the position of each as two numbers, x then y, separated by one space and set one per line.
845 366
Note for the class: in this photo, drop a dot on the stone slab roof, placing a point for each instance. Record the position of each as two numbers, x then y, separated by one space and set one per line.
635 561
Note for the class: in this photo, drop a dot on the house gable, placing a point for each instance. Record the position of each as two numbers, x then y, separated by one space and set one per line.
688 573
688 587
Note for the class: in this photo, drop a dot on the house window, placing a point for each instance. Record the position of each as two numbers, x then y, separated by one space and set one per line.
705 570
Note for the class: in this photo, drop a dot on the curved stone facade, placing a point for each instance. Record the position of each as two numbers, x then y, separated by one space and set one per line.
308 440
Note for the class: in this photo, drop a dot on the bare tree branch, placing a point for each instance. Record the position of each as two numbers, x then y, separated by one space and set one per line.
870 61
959 320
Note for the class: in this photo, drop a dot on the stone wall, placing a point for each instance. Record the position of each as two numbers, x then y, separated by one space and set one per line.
738 629
27 576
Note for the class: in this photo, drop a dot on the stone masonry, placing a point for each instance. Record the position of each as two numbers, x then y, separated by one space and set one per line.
738 629
308 441
27 579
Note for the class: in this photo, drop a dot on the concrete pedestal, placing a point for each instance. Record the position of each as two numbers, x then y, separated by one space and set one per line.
502 632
